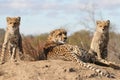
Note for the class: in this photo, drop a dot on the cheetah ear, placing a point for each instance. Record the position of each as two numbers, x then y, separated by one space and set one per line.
51 33
8 18
19 18
97 22
108 21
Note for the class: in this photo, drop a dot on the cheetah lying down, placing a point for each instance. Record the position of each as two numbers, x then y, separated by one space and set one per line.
57 48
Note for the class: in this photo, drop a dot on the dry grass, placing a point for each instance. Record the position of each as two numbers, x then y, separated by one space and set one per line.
33 45
33 48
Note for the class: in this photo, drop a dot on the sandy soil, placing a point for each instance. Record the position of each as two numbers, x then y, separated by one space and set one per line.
51 70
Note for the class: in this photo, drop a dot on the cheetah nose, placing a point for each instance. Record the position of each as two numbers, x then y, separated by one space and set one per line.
65 38
12 26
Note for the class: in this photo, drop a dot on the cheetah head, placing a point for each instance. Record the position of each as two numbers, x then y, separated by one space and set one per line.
13 23
58 36
103 26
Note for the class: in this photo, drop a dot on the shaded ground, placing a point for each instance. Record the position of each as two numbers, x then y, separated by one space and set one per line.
50 70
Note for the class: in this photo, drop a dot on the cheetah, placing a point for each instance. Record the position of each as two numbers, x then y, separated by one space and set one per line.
100 40
57 48
12 39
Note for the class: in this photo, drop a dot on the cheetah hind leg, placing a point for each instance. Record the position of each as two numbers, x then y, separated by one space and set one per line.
102 62
88 66
107 63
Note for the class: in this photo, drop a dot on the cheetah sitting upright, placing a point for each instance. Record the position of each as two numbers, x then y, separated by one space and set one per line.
57 48
12 39
100 40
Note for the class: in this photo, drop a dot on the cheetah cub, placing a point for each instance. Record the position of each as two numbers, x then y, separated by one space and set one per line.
100 40
12 39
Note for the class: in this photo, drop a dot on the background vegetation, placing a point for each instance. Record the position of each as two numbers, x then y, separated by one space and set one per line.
33 45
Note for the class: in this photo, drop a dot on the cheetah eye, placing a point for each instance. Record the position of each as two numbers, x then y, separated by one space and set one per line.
105 26
10 23
60 34
65 33
15 23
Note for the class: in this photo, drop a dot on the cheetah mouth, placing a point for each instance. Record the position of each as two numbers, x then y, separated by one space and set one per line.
61 42
64 40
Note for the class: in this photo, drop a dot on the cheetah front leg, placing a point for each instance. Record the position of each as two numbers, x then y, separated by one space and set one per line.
13 55
107 63
20 52
99 53
4 47
20 48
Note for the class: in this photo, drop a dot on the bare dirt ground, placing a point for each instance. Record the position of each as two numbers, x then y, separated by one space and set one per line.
51 70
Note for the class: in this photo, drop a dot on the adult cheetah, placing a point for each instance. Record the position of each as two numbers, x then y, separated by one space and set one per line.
57 48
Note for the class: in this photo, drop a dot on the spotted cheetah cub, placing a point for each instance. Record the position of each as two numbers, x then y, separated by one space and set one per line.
57 48
12 39
100 40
